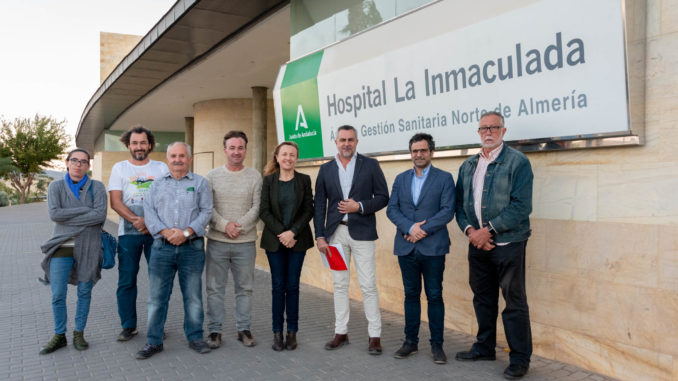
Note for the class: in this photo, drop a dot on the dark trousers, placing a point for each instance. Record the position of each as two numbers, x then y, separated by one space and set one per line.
413 268
285 267
130 248
504 267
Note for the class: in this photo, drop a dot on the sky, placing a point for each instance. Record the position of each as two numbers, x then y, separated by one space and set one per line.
49 51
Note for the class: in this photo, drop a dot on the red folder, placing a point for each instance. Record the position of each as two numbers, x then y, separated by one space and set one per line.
336 260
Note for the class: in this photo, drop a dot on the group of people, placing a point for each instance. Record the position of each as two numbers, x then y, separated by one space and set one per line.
165 209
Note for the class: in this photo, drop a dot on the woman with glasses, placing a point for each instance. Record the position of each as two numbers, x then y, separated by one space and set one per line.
77 204
286 208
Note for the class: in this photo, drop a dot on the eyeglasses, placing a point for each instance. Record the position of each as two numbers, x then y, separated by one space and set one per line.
420 151
492 129
75 161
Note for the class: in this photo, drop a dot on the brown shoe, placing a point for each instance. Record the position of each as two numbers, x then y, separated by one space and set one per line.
214 340
374 348
291 341
246 338
337 341
278 344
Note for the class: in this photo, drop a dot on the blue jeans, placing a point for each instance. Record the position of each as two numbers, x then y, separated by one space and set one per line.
59 271
130 247
502 267
414 267
285 272
166 260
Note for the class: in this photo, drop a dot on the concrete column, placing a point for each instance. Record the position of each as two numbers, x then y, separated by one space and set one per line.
257 145
188 139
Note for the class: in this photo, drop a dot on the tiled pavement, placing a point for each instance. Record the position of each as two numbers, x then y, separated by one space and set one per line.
26 325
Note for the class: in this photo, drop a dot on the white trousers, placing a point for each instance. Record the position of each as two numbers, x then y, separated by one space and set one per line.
363 254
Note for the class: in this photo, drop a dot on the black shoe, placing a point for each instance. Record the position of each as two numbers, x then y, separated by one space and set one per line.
148 350
514 372
439 356
199 346
409 348
127 334
473 356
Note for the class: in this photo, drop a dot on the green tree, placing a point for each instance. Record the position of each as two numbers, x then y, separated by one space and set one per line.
4 199
5 165
30 144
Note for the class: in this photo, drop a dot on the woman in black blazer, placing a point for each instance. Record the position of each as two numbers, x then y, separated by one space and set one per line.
286 209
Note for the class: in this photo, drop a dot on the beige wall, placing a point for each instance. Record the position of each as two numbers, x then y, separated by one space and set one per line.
113 48
214 118
602 262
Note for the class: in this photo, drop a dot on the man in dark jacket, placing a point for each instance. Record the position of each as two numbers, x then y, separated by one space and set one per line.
421 206
494 201
349 190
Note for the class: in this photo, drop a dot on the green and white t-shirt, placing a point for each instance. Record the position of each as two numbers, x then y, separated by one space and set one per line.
134 181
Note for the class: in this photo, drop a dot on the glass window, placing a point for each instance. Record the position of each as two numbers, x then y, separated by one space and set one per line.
315 24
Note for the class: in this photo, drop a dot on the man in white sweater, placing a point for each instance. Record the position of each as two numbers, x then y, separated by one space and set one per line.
231 239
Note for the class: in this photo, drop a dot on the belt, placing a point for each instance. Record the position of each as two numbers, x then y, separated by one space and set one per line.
342 222
189 240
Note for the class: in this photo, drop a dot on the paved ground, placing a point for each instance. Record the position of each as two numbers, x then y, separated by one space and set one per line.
26 325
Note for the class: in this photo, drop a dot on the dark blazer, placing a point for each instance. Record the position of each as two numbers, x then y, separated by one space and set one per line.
269 212
435 205
368 187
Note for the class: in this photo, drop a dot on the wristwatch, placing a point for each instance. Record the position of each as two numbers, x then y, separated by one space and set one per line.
186 233
491 230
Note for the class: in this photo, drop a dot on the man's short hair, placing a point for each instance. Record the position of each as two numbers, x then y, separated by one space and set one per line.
347 127
235 134
423 136
495 113
139 129
188 148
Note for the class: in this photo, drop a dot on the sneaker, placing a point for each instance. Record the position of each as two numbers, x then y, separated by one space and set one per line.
199 346
409 348
127 334
439 356
57 341
148 350
214 340
79 341
246 338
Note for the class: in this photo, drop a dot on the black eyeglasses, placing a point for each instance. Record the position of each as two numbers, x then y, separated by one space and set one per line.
420 151
75 161
492 129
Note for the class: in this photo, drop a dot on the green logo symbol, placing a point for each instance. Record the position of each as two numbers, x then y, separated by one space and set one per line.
300 105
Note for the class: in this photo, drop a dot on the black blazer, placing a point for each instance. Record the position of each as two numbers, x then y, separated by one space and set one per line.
269 212
368 187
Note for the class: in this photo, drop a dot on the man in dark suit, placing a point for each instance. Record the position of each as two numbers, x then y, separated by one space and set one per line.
349 190
421 206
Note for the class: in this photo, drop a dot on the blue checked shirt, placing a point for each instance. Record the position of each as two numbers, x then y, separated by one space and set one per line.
182 203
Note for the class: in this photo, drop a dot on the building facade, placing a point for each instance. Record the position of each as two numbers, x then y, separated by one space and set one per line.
602 261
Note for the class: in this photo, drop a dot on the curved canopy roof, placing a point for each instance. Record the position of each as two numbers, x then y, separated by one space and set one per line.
200 49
